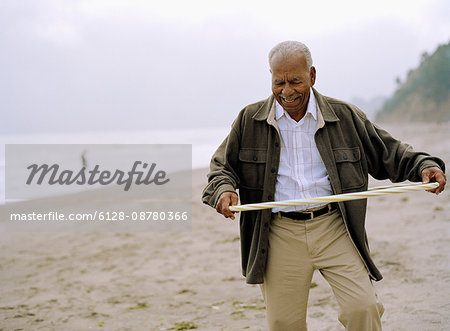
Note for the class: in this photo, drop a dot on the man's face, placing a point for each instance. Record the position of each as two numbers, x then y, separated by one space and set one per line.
291 83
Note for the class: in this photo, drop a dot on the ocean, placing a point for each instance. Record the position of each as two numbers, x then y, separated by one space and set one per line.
204 142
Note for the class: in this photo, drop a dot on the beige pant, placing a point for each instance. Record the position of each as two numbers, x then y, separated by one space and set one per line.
296 249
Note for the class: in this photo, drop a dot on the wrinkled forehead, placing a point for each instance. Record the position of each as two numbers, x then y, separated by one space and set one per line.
289 67
289 63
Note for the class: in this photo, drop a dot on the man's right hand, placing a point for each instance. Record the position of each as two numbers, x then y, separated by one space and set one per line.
226 200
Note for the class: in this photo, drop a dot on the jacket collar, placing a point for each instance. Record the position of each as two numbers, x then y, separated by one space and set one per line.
324 107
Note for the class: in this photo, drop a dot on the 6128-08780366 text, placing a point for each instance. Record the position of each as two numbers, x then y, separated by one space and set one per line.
103 216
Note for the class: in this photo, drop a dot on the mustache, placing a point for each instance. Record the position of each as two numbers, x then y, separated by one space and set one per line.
291 97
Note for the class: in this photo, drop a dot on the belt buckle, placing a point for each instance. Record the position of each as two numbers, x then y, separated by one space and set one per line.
311 214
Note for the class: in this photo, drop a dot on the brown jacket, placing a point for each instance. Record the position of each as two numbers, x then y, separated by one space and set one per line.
351 147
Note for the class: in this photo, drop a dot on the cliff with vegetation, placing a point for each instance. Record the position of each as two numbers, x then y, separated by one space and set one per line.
425 95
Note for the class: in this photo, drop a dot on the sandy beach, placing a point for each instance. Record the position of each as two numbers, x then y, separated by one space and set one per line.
181 280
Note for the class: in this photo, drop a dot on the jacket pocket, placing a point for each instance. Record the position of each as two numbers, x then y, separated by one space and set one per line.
348 163
252 165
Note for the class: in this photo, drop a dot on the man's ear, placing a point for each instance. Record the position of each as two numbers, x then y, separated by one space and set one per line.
312 75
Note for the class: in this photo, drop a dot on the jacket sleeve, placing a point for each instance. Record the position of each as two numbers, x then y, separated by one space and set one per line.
223 175
389 158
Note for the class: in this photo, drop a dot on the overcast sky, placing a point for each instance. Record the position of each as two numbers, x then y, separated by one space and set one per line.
109 65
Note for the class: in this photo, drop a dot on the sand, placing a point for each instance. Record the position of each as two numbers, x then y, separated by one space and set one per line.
156 281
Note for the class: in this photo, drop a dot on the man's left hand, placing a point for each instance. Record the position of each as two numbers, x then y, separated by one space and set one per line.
434 174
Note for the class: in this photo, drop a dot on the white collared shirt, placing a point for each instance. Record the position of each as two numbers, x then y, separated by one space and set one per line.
302 173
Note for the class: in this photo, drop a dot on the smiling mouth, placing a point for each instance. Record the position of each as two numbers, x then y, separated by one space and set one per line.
291 99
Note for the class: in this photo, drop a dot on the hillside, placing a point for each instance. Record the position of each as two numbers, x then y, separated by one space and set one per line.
425 95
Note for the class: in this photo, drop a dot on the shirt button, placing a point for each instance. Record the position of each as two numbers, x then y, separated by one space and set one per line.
345 157
263 251
269 197
277 144
272 170
255 158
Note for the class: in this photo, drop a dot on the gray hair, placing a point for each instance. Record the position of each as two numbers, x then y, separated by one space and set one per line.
290 47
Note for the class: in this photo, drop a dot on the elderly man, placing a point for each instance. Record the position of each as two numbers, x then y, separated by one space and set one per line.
301 144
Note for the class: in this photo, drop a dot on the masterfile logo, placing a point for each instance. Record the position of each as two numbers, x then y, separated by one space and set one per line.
55 176
92 187
38 170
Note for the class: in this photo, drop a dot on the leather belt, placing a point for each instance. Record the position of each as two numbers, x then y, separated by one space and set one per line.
307 215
